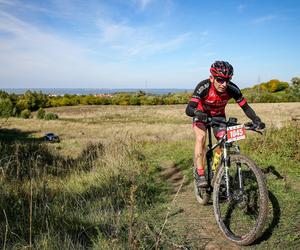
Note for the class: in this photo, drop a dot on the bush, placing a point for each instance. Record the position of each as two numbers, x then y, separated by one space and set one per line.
25 114
51 116
134 100
6 107
276 85
295 89
41 113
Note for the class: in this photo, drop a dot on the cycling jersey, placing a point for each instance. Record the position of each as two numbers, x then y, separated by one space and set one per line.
212 102
207 99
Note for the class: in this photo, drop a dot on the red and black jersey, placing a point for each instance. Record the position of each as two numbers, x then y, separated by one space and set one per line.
212 102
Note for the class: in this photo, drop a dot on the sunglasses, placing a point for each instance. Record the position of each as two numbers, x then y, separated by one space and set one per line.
222 80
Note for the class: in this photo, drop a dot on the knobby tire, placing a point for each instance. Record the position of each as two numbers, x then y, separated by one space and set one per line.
225 224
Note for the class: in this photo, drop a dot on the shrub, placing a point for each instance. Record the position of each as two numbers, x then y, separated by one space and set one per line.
25 114
41 113
295 89
276 85
51 116
6 107
134 100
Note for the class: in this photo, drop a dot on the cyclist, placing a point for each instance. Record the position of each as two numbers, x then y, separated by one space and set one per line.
209 100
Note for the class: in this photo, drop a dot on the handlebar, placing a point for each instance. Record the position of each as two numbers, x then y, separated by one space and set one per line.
232 122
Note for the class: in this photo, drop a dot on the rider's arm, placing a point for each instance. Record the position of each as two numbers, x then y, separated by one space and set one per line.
236 93
195 102
250 113
191 108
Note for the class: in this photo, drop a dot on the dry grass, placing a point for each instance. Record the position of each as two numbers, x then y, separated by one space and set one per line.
79 125
276 114
120 128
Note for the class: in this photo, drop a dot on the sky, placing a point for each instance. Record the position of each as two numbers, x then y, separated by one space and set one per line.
145 43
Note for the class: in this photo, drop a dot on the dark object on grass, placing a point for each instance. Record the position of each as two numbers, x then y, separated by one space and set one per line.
51 137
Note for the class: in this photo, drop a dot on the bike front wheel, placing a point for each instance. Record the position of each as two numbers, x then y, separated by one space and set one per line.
241 216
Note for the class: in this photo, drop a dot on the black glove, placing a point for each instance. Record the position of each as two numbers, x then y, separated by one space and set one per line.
258 123
201 115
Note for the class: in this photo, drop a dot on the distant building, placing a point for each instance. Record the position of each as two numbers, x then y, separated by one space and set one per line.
104 95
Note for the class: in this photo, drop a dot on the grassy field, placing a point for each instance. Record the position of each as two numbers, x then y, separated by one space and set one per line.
104 185
80 125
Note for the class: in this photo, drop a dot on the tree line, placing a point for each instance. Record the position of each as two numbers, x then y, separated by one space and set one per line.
274 91
22 105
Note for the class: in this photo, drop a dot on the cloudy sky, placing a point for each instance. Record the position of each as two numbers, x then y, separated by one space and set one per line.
145 43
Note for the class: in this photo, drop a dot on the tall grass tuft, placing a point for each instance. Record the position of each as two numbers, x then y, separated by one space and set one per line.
278 152
102 197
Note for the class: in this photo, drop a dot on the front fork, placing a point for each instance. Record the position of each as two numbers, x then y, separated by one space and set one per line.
226 159
226 166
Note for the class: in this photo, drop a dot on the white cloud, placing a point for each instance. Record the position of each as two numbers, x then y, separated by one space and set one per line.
151 47
34 57
264 19
132 42
111 32
142 4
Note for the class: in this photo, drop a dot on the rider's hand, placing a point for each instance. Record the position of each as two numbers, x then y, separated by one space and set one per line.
201 115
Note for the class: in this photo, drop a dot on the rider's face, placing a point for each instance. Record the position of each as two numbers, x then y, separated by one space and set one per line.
220 84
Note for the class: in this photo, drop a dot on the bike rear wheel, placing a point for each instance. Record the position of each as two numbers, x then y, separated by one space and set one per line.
202 194
242 216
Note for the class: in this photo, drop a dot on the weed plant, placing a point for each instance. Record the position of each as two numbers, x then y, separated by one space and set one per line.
103 197
277 153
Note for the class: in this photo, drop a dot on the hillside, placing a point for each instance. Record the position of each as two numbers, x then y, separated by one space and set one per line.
112 180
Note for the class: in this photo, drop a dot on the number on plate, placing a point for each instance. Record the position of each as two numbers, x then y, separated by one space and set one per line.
236 133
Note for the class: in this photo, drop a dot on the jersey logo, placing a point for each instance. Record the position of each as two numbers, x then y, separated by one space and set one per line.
202 88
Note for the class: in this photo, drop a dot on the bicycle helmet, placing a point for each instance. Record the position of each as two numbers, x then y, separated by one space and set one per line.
221 69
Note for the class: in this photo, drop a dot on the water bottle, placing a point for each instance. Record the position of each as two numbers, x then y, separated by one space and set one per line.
216 160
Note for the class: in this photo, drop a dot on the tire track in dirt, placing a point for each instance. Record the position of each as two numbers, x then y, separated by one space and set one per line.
195 222
172 174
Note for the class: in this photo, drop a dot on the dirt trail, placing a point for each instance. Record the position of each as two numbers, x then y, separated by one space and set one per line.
195 222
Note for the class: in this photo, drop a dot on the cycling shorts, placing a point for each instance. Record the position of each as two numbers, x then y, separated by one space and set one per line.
218 130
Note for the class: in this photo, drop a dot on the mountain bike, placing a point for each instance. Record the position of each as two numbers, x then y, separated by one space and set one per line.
237 186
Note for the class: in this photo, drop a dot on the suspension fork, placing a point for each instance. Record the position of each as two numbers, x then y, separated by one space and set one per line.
239 170
226 166
209 155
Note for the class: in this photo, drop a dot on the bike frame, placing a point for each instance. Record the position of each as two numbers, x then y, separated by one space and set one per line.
229 182
225 159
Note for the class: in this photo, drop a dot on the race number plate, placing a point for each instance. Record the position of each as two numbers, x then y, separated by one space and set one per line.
236 133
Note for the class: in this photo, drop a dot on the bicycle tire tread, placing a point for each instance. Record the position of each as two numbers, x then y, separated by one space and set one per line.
257 231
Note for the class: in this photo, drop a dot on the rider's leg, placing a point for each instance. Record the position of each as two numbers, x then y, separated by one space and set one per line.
200 151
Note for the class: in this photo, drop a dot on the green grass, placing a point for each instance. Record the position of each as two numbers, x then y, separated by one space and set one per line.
180 153
104 196
111 196
279 150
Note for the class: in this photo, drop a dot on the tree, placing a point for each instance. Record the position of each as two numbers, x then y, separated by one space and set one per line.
3 94
25 114
296 82
295 89
6 107
134 100
275 85
40 114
